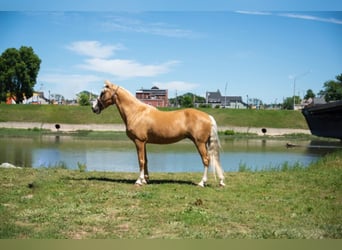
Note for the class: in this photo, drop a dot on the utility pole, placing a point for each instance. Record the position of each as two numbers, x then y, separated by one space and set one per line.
294 86
176 99
225 95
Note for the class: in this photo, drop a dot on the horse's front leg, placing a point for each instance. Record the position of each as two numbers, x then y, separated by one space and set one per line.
145 166
203 182
141 150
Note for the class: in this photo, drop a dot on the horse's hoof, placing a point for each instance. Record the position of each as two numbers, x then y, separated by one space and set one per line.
140 182
201 184
222 184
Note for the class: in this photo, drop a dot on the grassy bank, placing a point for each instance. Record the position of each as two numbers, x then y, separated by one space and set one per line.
37 132
58 203
110 135
84 115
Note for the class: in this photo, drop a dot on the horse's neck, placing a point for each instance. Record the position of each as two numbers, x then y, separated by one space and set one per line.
127 105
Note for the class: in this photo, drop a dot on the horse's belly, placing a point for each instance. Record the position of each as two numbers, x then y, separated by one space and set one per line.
165 136
164 140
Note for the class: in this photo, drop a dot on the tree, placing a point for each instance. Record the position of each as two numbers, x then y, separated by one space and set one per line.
309 94
288 102
332 89
187 100
83 99
18 72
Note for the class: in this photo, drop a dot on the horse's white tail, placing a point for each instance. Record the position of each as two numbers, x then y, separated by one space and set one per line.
214 151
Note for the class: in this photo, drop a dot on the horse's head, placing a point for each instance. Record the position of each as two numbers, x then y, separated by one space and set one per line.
105 99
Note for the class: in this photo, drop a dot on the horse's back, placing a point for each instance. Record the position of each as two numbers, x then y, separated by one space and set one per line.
188 115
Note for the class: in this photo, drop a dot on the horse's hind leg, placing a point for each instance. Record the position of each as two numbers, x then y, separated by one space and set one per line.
202 149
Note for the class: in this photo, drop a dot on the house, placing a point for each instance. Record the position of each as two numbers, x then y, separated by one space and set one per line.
155 97
216 99
37 98
11 100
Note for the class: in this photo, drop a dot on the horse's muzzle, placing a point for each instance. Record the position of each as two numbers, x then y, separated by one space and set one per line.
95 108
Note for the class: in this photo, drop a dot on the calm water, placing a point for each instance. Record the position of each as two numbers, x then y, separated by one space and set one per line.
120 155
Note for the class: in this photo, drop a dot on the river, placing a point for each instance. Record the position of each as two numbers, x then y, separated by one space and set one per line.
120 155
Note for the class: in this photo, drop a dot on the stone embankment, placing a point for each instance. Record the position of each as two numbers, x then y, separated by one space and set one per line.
121 128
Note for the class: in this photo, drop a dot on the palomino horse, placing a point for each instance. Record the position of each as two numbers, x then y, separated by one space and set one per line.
146 124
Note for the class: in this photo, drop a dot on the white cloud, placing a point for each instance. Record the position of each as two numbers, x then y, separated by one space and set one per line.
312 18
99 60
94 49
155 28
127 68
69 85
71 78
177 86
293 15
262 13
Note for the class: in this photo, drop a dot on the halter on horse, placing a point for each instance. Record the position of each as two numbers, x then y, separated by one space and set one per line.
146 124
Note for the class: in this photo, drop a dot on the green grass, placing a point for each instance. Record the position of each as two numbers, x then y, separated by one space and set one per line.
84 115
259 118
57 114
284 203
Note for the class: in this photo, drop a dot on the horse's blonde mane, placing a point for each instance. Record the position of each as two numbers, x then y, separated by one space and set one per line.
128 93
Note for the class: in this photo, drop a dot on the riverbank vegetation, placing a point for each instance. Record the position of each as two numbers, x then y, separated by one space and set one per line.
286 203
117 135
84 115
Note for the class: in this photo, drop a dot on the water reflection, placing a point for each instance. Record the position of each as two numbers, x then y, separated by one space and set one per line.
120 155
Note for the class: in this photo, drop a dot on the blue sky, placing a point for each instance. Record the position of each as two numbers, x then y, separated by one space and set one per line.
255 53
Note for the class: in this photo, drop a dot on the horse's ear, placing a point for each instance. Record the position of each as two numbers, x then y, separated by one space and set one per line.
107 84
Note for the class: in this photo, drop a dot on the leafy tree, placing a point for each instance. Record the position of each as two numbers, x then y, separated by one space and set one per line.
309 94
332 89
288 102
187 100
83 99
18 72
